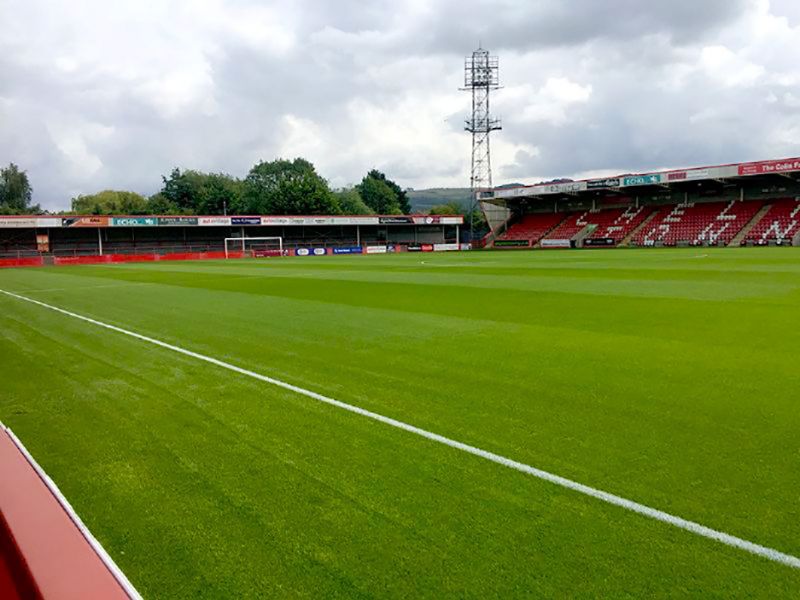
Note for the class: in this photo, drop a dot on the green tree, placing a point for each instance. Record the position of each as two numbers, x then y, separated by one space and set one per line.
450 208
158 204
15 191
195 192
284 187
402 197
219 194
110 202
378 195
350 202
183 189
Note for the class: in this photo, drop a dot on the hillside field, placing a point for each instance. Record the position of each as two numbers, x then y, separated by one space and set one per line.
668 377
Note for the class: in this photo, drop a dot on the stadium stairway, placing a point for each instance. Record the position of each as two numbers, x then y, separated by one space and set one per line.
740 237
627 239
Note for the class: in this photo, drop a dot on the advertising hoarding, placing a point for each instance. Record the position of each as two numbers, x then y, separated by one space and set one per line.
130 222
213 221
641 180
770 166
245 220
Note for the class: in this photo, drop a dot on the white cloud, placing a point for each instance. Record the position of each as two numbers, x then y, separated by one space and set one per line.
97 94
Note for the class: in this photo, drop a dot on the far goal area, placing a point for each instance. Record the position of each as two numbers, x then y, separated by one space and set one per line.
255 247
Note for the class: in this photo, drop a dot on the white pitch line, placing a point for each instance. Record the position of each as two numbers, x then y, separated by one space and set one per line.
641 509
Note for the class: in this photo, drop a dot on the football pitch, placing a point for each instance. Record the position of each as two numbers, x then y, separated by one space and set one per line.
666 378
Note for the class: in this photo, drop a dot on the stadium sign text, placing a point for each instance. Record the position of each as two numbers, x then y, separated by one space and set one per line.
210 221
687 175
609 182
134 222
17 222
642 180
245 220
172 221
770 166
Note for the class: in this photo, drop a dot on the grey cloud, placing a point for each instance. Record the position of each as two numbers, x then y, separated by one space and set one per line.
401 60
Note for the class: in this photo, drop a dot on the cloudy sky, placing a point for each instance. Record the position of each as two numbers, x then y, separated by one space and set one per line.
100 94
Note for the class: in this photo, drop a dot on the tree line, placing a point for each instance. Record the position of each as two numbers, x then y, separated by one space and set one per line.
287 187
279 187
282 187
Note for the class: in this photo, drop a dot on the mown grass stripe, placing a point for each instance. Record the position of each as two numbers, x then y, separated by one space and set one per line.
641 509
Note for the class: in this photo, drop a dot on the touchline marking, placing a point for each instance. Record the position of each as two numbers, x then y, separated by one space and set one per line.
653 513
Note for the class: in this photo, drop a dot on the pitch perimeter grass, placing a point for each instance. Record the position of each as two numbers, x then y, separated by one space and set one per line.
669 377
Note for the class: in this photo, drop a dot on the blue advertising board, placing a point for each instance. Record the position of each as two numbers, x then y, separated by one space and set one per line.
245 220
348 250
310 252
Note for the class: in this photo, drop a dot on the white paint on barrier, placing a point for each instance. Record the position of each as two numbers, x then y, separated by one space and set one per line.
635 507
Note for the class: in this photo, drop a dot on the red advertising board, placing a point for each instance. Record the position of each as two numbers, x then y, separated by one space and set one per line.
770 166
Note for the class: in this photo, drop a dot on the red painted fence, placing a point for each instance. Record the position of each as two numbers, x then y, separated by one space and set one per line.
36 261
44 553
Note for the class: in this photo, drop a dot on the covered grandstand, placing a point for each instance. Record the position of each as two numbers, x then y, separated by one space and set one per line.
24 237
756 203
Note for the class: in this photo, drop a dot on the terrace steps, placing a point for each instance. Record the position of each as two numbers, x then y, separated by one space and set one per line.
638 228
739 237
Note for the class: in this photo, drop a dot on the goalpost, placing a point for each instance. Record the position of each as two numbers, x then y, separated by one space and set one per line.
257 246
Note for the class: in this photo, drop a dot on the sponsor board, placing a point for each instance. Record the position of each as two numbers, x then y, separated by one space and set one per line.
599 242
770 166
688 175
85 222
466 246
642 180
564 188
245 220
377 250
414 248
556 244
445 247
266 253
173 221
398 220
608 182
213 221
132 221
48 222
427 247
439 220
348 250
301 221
17 222
310 252
512 243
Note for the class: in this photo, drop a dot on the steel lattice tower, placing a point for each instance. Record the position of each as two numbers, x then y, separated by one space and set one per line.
481 76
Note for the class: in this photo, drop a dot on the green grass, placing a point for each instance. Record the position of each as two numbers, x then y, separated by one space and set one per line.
669 377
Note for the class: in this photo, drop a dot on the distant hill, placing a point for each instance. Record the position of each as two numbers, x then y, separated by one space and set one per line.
423 200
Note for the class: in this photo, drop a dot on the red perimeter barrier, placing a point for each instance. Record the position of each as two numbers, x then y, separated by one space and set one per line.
43 553
125 258
35 261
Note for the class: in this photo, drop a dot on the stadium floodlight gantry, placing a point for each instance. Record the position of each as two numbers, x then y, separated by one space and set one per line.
264 245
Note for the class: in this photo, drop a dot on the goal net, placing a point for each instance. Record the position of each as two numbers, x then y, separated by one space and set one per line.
257 247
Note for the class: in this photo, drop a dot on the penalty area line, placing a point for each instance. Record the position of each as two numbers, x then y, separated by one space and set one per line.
635 507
